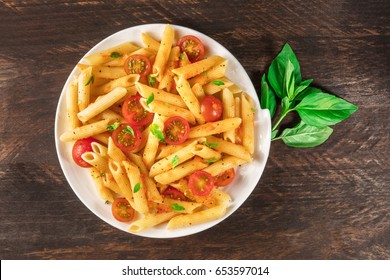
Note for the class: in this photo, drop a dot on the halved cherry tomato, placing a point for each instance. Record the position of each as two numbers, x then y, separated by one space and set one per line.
121 210
225 178
126 137
192 46
134 113
79 148
211 108
201 183
138 64
174 193
176 130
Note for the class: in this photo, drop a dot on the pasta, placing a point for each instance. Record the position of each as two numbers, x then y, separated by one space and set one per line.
153 146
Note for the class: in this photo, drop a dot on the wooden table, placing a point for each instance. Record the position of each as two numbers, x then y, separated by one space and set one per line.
328 202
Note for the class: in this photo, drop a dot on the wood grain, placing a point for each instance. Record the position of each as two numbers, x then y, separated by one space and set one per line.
328 202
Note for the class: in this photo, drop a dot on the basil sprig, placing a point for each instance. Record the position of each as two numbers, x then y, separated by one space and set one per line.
318 110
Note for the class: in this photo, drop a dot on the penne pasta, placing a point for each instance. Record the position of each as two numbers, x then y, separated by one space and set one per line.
151 220
125 82
180 171
72 107
224 164
163 52
196 68
247 115
184 89
111 53
150 43
138 187
100 105
228 112
85 131
202 216
84 88
214 127
160 95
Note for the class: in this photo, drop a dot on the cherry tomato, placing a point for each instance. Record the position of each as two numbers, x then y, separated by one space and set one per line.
134 113
174 193
126 137
211 108
121 210
176 130
138 64
192 46
201 183
79 148
225 178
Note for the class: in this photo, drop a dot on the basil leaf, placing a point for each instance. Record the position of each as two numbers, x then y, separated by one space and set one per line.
217 83
306 92
323 109
129 129
177 207
155 130
268 99
210 145
277 70
211 160
175 161
302 86
289 81
90 80
150 99
305 136
137 187
286 104
274 133
115 55
114 126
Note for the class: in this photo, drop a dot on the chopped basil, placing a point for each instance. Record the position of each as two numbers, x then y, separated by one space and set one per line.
114 126
210 145
115 55
156 131
129 129
211 160
90 80
177 207
150 99
137 187
217 83
182 56
152 79
175 161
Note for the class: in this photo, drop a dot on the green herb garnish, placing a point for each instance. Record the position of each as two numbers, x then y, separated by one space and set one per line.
175 161
129 129
150 99
156 131
177 207
210 145
115 55
152 79
318 110
182 56
114 126
90 80
137 187
217 82
211 160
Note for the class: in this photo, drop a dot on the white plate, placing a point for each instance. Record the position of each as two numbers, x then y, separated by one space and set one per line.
247 176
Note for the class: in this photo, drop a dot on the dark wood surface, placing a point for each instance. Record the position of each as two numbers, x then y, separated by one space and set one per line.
328 202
